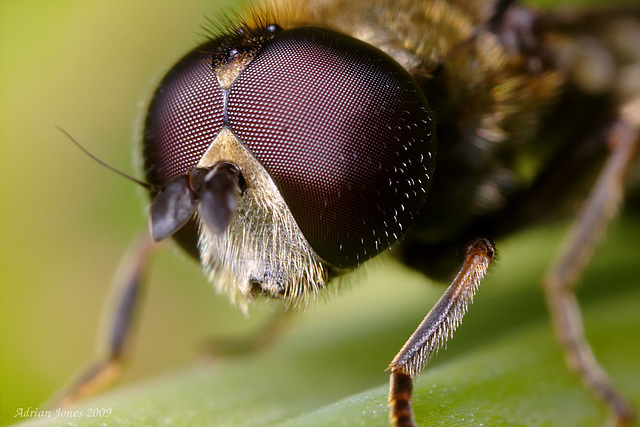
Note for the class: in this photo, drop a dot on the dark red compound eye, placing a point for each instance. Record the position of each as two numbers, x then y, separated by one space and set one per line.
342 129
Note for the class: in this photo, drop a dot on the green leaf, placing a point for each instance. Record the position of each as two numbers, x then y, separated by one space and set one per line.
503 367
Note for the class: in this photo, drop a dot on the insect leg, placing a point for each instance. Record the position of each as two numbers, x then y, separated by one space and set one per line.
262 337
111 353
600 208
438 326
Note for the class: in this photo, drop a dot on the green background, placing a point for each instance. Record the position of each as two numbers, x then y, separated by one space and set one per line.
88 66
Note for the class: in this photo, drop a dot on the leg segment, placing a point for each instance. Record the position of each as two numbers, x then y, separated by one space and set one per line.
262 337
108 365
436 328
598 211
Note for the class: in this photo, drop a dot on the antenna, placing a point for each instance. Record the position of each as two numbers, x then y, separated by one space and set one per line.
146 185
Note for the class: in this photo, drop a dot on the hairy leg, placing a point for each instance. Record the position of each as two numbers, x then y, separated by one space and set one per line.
436 328
600 208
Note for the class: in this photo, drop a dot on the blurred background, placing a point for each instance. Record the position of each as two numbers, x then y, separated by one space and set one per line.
89 67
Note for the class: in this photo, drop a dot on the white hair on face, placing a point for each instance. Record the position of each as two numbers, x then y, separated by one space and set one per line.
262 245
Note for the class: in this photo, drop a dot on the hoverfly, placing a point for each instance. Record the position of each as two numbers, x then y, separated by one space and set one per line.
299 143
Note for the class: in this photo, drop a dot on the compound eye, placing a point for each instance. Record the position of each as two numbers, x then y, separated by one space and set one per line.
184 116
344 132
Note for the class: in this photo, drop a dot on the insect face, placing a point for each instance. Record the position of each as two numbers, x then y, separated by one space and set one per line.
332 139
